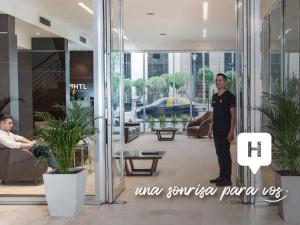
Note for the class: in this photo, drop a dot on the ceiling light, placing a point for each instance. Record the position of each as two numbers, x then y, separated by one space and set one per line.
37 33
278 37
150 14
85 7
287 31
204 31
117 31
205 10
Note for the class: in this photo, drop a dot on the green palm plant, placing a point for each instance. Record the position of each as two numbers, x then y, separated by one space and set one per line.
184 119
151 122
62 136
283 114
174 120
162 121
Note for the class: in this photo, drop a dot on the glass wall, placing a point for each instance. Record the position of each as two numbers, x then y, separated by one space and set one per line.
280 59
115 98
292 45
276 76
167 89
48 66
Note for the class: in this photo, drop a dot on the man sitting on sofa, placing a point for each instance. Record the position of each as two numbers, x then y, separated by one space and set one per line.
10 140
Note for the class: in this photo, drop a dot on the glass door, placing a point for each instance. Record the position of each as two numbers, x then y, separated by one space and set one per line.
115 89
240 80
243 84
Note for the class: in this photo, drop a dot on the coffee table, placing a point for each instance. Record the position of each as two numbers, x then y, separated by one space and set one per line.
165 130
130 156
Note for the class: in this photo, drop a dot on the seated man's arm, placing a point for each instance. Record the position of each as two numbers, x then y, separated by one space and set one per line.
20 138
23 140
14 144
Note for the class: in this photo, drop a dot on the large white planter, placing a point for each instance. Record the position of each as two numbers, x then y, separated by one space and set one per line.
289 207
65 192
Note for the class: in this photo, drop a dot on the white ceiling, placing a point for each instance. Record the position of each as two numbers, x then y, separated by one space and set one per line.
33 30
180 19
67 11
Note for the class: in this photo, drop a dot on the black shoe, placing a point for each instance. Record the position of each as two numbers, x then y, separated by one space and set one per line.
223 183
215 180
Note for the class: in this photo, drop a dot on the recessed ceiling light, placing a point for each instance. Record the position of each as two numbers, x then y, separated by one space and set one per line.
37 33
204 33
205 10
287 30
150 14
163 34
81 4
117 31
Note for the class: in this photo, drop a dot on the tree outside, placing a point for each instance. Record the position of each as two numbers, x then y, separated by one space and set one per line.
178 79
209 75
231 81
139 87
156 86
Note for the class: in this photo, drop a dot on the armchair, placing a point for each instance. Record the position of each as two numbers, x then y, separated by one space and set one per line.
131 130
19 165
200 126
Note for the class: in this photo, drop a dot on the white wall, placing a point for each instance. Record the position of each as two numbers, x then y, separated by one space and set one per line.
23 32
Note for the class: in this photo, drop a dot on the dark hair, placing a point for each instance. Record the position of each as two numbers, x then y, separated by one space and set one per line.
5 116
222 75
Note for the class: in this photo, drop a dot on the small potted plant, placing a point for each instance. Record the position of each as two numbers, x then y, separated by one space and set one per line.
162 121
283 124
65 186
184 119
174 120
151 122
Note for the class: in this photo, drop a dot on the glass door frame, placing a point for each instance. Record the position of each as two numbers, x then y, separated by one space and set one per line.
112 191
249 80
99 112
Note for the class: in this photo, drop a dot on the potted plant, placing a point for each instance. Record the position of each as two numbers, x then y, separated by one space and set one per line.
162 121
184 119
283 124
65 186
151 122
174 120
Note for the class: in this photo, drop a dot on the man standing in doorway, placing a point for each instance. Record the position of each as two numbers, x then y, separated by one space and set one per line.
222 128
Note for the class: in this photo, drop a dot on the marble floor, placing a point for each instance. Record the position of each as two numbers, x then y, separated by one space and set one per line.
188 162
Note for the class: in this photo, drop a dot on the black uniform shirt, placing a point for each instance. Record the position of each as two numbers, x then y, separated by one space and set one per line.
221 114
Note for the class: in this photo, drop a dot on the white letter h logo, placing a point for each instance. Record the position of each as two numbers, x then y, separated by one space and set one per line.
254 150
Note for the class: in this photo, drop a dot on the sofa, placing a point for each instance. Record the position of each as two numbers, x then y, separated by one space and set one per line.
19 165
131 131
199 127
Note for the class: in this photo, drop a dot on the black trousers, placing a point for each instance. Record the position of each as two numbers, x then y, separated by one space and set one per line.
223 152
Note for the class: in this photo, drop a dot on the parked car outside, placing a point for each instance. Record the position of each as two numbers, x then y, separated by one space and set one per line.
169 107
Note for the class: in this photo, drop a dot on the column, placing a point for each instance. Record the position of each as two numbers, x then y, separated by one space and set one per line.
9 66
